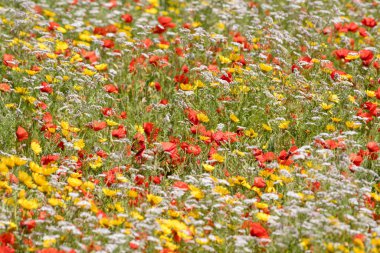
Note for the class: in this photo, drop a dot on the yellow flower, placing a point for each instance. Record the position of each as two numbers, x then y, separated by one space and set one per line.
153 199
234 118
221 190
202 241
36 147
76 58
31 72
267 128
79 144
220 26
199 84
186 87
88 72
239 153
101 67
196 192
351 99
109 192
284 125
52 56
336 119
132 194
334 98
202 117
28 204
326 106
224 60
88 186
173 213
23 176
48 13
261 205
136 215
352 56
61 29
111 123
61 46
74 182
21 90
352 125
305 243
330 127
55 202
139 129
218 157
262 216
265 67
370 93
208 167
49 242
163 46
196 24
250 133
39 179
96 163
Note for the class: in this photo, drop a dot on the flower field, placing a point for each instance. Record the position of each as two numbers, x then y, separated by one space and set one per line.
189 126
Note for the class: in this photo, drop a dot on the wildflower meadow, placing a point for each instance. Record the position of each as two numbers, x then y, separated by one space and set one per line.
176 126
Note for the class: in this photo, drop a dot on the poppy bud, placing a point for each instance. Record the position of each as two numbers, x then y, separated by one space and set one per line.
21 134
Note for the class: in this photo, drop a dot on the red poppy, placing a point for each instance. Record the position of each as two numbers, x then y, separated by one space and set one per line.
46 88
342 53
98 125
89 55
305 62
181 185
120 132
315 186
7 238
4 87
148 128
191 149
123 115
192 116
259 182
165 23
54 250
366 56
127 18
21 134
139 179
257 230
108 111
363 32
336 74
156 179
108 43
356 159
28 225
133 245
9 60
373 146
52 26
110 88
47 159
6 249
353 27
378 93
370 22
102 154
